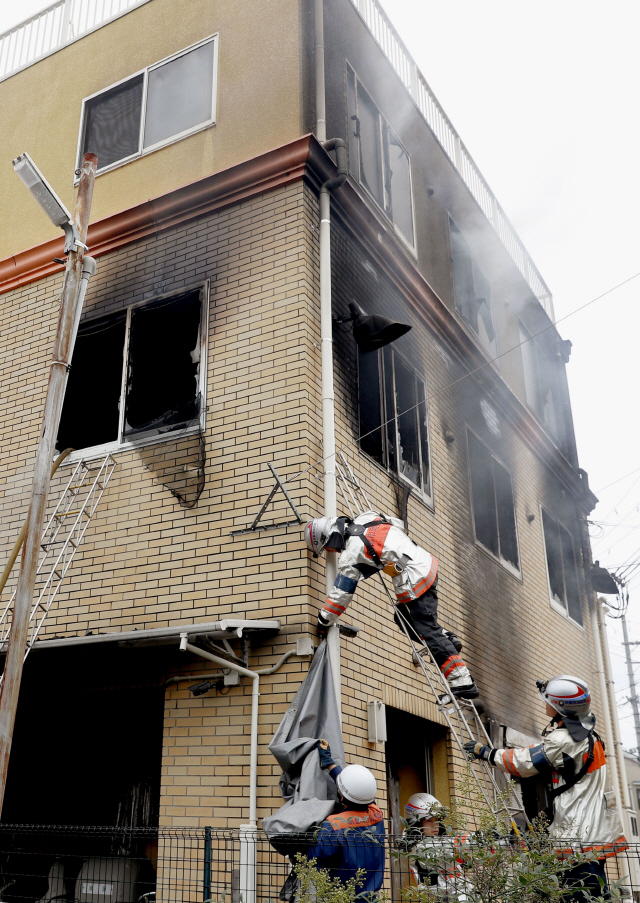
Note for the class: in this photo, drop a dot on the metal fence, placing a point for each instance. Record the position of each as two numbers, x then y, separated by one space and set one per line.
55 26
416 85
193 865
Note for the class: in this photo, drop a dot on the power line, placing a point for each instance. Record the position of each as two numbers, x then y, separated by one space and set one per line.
619 480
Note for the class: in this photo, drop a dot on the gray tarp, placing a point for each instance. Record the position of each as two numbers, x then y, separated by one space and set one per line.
309 792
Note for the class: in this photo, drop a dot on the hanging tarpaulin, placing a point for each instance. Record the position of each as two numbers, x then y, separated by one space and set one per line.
308 791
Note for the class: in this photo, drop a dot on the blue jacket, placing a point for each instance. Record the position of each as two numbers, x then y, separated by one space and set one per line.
352 840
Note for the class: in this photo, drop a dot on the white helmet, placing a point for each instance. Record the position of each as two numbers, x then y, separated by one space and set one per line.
357 784
567 695
318 531
421 805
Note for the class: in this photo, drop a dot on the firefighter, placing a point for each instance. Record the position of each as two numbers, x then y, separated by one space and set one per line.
354 838
371 543
436 857
572 755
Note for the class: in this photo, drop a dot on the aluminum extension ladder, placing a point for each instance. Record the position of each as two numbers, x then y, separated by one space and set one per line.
61 537
461 716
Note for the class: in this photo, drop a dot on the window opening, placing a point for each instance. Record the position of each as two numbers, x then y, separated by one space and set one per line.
492 503
561 567
163 103
539 381
472 290
634 825
158 346
393 416
377 158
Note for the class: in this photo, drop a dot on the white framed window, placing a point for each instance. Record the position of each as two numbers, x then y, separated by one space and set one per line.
393 416
138 376
152 108
472 290
540 382
492 504
562 569
378 159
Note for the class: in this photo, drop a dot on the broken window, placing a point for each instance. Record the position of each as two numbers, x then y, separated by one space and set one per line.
540 382
163 103
561 567
492 503
135 374
377 158
393 416
472 290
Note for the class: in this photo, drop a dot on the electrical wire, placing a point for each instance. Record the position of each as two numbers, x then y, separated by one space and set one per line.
466 376
619 480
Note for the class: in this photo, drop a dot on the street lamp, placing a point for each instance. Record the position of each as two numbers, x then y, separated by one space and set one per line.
48 200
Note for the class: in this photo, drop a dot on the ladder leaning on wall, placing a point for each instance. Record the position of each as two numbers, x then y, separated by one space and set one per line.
61 537
461 716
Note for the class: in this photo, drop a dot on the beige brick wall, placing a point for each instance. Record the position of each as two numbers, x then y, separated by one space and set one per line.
147 562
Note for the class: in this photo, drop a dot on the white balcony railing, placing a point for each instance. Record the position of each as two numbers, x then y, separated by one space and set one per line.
438 121
53 27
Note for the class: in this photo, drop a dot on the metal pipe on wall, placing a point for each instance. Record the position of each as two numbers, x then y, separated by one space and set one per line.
613 708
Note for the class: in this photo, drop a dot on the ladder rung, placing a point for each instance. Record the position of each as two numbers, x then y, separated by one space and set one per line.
68 513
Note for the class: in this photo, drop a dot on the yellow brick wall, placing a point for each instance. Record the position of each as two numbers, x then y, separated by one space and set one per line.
147 562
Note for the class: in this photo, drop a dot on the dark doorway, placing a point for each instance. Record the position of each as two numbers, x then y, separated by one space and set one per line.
84 753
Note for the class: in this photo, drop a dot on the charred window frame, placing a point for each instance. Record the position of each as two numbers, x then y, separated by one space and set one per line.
394 417
562 568
138 376
472 290
492 504
163 103
378 160
540 383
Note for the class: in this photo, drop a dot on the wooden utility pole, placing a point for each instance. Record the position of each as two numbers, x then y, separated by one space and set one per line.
70 308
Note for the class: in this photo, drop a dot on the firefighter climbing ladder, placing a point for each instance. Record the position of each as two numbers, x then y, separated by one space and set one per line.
461 715
61 537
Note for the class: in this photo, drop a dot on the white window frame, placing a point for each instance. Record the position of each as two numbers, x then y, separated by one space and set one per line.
120 444
496 362
507 565
556 606
143 151
425 494
381 116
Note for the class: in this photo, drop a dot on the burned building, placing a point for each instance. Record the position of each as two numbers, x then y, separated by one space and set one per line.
197 369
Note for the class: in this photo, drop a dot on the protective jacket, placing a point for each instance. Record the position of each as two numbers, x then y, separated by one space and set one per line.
352 840
586 812
438 862
374 544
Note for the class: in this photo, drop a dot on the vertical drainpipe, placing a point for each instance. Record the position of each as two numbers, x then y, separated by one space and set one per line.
326 327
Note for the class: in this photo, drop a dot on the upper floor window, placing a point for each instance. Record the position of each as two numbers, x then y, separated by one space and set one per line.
539 382
161 104
136 374
492 503
393 416
472 290
562 570
377 158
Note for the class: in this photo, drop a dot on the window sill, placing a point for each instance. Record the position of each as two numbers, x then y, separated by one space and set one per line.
507 566
151 150
416 493
560 610
114 448
493 357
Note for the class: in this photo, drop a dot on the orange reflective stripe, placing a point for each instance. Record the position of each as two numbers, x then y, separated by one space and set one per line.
453 662
333 607
427 582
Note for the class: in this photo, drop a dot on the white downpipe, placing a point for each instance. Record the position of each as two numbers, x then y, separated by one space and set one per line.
606 709
248 833
321 121
328 421
615 727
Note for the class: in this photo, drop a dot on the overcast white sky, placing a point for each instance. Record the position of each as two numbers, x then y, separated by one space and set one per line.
545 96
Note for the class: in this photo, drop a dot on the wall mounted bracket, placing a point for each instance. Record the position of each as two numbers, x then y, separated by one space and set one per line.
256 526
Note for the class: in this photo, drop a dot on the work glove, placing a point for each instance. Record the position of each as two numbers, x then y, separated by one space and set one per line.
476 750
324 751
323 623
